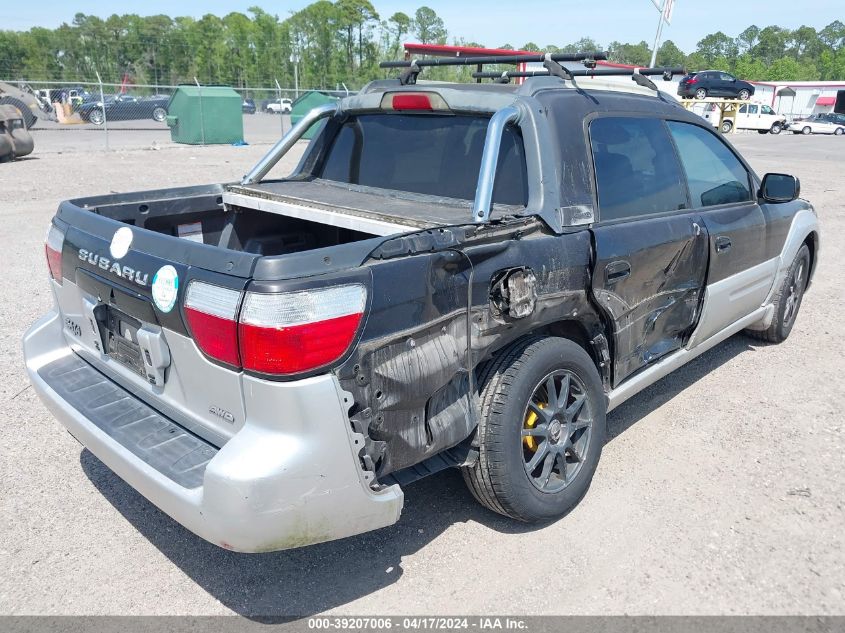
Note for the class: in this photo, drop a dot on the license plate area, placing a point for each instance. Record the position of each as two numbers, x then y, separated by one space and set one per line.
120 340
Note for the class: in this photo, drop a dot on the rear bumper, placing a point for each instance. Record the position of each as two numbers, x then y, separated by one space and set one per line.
290 477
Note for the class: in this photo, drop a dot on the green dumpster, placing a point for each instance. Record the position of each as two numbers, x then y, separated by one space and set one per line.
205 114
307 102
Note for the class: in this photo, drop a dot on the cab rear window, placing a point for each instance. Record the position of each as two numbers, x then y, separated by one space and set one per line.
437 155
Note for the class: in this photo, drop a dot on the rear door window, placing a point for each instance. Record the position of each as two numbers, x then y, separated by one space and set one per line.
438 155
714 174
637 171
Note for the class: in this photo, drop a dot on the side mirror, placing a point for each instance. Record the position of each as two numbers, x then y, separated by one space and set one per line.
780 188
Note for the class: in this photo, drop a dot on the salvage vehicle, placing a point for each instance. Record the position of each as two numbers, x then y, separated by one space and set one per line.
15 139
125 107
455 275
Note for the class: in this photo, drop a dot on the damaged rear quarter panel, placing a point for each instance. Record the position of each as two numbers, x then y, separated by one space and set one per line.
432 321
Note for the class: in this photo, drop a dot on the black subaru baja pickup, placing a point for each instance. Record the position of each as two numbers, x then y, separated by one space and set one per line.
455 275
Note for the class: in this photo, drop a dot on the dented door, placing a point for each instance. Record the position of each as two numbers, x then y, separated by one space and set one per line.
648 277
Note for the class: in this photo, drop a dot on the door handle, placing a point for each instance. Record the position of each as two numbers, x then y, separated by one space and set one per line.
617 270
723 243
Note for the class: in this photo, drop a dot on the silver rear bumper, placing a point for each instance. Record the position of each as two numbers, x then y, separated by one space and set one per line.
289 477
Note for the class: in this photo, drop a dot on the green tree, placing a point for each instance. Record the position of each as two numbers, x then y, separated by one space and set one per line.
670 55
429 27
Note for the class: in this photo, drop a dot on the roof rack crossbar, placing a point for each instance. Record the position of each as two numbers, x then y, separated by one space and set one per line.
496 59
596 72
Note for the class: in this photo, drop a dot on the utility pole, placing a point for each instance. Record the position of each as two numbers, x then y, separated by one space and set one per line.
664 8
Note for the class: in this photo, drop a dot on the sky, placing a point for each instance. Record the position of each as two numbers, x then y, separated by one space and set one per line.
495 23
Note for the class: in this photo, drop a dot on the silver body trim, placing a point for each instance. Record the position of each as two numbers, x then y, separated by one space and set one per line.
289 477
283 146
489 160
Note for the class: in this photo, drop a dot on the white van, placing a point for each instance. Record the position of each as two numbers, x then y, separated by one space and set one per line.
751 116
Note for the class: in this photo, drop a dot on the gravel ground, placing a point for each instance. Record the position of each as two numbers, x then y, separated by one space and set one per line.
720 491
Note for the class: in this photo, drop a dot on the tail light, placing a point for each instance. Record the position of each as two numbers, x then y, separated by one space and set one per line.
420 101
53 248
211 312
692 80
299 331
281 333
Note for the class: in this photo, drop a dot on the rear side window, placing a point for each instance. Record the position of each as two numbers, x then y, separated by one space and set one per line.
437 155
714 173
637 172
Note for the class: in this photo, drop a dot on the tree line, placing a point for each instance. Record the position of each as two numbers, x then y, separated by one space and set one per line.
330 44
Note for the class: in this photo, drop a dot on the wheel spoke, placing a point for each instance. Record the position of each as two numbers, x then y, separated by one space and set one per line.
541 430
574 409
551 391
536 408
574 454
562 465
541 453
548 464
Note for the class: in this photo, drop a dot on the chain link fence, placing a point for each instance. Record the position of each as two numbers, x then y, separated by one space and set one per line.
115 115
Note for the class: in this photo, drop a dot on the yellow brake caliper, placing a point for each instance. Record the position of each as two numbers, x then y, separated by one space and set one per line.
530 422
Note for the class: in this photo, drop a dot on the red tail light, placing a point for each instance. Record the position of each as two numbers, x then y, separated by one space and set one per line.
421 101
692 80
53 248
211 312
299 331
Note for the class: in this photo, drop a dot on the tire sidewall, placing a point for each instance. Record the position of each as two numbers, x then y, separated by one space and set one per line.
163 116
703 93
553 354
776 128
784 329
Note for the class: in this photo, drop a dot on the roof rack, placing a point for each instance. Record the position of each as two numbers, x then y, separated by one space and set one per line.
551 61
638 75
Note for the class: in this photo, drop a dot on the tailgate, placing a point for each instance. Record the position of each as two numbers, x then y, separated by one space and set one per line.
121 301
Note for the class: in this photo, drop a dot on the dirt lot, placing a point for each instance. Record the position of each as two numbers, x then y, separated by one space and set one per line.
721 490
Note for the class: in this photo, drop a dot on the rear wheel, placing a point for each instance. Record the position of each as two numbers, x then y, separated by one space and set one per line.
701 93
838 131
788 300
806 130
542 429
159 114
726 127
744 94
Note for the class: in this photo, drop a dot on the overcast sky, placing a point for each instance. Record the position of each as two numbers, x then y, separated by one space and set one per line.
492 22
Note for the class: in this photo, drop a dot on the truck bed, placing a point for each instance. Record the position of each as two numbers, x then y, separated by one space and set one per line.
365 209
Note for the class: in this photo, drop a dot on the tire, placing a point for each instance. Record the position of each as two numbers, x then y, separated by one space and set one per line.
838 131
726 127
96 116
500 479
806 130
744 94
701 93
160 115
776 128
29 119
787 300
762 131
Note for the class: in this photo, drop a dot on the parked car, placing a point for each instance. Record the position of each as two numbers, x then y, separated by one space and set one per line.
15 139
750 116
424 291
125 107
714 83
817 124
834 117
278 106
249 106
